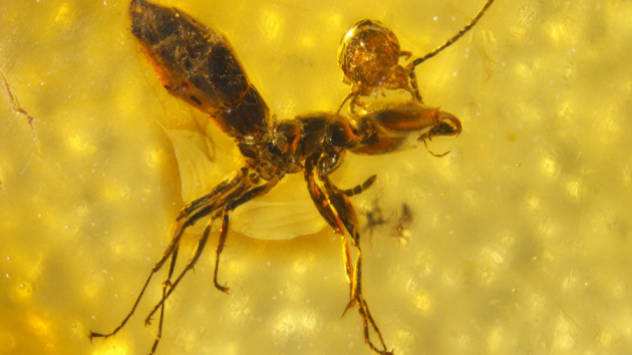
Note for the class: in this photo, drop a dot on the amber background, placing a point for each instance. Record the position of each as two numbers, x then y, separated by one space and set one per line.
521 237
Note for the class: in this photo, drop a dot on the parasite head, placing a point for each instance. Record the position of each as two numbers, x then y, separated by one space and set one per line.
367 55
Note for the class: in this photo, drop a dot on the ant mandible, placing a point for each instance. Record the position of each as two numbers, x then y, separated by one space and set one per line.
198 65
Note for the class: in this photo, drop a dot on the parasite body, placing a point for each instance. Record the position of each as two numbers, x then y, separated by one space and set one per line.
369 56
198 65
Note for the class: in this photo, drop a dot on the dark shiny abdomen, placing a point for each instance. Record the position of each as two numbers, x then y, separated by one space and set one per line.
198 65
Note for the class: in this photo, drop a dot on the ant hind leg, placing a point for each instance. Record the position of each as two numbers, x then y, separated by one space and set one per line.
184 271
232 203
169 251
218 252
166 283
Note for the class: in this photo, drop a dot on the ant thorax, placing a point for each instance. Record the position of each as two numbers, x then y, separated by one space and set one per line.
289 142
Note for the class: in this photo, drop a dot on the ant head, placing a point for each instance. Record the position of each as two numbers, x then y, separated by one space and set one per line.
367 54
448 125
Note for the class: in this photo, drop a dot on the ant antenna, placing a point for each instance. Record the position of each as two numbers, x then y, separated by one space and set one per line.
445 45
454 38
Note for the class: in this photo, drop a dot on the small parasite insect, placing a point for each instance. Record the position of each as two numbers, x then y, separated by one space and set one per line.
198 65
369 57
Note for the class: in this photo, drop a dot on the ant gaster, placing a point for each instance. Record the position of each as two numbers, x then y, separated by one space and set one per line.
198 65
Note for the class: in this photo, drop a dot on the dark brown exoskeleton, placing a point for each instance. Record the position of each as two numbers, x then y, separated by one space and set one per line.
369 56
198 65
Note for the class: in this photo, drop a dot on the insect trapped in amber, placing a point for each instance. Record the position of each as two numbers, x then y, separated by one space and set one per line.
198 65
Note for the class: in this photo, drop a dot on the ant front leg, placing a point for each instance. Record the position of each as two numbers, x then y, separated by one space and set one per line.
320 199
340 199
347 215
353 96
344 215
354 274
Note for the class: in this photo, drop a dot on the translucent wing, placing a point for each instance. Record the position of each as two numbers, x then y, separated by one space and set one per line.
284 213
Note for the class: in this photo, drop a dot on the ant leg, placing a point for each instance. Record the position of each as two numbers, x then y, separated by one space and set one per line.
186 269
359 188
181 226
405 54
222 187
356 298
352 94
218 251
352 104
347 214
320 199
245 197
233 202
168 252
344 209
166 284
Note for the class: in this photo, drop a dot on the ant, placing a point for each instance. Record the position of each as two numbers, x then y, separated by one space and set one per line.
198 65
